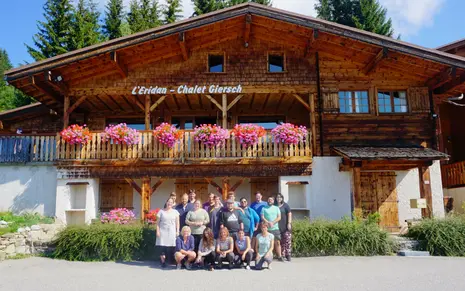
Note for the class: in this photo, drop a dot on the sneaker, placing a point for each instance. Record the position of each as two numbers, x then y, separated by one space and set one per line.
281 259
269 267
178 266
288 258
188 266
247 267
211 268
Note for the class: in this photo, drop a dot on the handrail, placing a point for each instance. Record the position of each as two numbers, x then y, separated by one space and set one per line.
453 175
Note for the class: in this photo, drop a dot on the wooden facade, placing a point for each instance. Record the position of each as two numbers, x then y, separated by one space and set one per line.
96 86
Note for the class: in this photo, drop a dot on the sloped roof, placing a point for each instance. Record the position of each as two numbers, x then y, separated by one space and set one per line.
389 153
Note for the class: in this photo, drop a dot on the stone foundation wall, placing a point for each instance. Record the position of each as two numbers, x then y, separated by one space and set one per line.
29 240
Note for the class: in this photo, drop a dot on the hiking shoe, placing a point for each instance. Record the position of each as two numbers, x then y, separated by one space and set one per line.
178 266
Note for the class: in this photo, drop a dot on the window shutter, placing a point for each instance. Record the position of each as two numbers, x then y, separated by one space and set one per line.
330 99
418 98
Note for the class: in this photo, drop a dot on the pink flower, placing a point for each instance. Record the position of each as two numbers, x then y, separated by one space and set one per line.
210 135
167 134
289 133
121 133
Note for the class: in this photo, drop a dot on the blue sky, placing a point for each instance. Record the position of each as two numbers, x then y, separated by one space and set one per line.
429 23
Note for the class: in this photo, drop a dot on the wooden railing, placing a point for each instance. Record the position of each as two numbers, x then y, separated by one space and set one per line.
453 175
51 148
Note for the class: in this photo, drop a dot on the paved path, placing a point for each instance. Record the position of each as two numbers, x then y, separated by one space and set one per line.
328 273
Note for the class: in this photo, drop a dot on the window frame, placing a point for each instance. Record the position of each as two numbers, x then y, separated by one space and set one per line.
391 98
216 53
276 53
353 103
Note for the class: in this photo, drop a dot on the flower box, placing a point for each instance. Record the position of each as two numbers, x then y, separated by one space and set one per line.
76 134
289 133
121 134
248 134
210 135
167 134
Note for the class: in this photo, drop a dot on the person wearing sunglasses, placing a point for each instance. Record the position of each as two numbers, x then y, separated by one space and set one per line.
250 218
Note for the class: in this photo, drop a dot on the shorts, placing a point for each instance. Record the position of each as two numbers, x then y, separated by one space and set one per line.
276 233
166 251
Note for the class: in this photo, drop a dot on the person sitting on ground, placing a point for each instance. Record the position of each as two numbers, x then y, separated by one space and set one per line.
249 217
206 252
192 196
183 208
272 215
231 219
215 213
172 197
264 247
285 227
224 248
197 219
184 248
244 252
167 231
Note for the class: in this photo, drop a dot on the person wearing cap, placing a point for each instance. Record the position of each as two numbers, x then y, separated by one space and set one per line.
231 219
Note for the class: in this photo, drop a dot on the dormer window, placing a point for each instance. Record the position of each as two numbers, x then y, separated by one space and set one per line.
216 63
276 63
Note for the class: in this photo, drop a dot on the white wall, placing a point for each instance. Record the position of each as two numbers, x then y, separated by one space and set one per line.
25 188
408 187
459 198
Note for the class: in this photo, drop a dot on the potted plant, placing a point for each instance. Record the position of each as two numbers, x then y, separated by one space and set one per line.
76 134
167 134
210 135
151 216
121 134
248 134
289 133
118 216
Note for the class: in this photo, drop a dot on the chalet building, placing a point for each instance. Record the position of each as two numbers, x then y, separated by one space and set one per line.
370 103
452 112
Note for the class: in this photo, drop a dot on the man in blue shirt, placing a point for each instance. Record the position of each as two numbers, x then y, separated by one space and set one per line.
183 208
258 204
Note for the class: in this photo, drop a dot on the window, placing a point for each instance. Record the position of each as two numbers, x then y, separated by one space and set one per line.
353 102
268 122
276 63
216 63
188 123
134 123
392 102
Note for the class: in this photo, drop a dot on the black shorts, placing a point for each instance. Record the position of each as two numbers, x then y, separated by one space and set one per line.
276 233
166 251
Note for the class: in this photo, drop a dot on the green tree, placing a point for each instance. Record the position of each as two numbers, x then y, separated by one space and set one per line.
143 15
263 2
10 97
230 3
172 11
85 27
206 6
54 36
368 15
134 17
113 21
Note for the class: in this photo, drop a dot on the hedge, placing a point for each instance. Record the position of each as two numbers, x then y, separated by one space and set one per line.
440 237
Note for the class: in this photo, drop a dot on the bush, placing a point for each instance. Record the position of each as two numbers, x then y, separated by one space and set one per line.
105 242
441 237
340 238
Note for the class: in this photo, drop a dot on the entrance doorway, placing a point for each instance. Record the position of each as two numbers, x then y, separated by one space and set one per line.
115 194
378 194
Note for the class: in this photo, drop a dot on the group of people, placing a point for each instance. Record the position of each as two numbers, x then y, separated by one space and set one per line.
210 234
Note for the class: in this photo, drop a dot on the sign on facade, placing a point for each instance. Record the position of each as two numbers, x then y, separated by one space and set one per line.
186 89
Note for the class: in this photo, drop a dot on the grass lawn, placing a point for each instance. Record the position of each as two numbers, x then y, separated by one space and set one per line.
17 221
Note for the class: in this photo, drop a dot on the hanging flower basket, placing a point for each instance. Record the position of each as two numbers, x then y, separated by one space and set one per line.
118 216
210 135
289 133
151 217
167 134
248 134
121 134
76 134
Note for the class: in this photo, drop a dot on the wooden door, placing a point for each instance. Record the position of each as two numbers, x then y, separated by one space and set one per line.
115 195
378 194
266 186
199 185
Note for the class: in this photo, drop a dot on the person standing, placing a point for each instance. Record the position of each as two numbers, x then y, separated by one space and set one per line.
183 208
197 219
244 251
192 196
210 202
264 247
258 204
271 215
167 231
224 248
215 216
184 248
285 227
173 197
231 219
250 218
206 252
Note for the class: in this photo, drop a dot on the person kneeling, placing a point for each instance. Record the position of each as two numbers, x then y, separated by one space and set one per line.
224 248
206 252
244 252
184 248
264 247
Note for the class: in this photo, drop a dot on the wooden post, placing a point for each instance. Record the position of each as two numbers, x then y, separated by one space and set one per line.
356 195
145 198
225 188
65 112
225 111
147 112
425 191
311 101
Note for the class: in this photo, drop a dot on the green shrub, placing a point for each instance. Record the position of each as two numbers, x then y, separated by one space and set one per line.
23 220
105 242
341 238
441 237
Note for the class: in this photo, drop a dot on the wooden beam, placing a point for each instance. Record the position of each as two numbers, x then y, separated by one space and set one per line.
225 188
357 187
213 183
234 102
58 86
147 112
65 112
145 199
248 25
425 191
371 66
46 90
313 122
311 46
442 77
134 185
225 111
140 105
155 187
304 103
451 85
212 100
236 185
76 104
118 64
183 46
158 102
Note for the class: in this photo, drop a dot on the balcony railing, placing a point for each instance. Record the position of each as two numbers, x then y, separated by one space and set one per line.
453 175
53 148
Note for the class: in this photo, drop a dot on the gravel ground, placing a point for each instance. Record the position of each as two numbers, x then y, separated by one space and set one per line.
327 273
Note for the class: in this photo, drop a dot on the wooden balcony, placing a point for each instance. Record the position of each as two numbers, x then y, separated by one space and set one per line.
453 175
24 149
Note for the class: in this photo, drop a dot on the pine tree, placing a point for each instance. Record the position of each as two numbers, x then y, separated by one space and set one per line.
134 17
263 2
236 2
172 11
206 6
85 27
373 18
154 18
54 35
113 21
143 15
